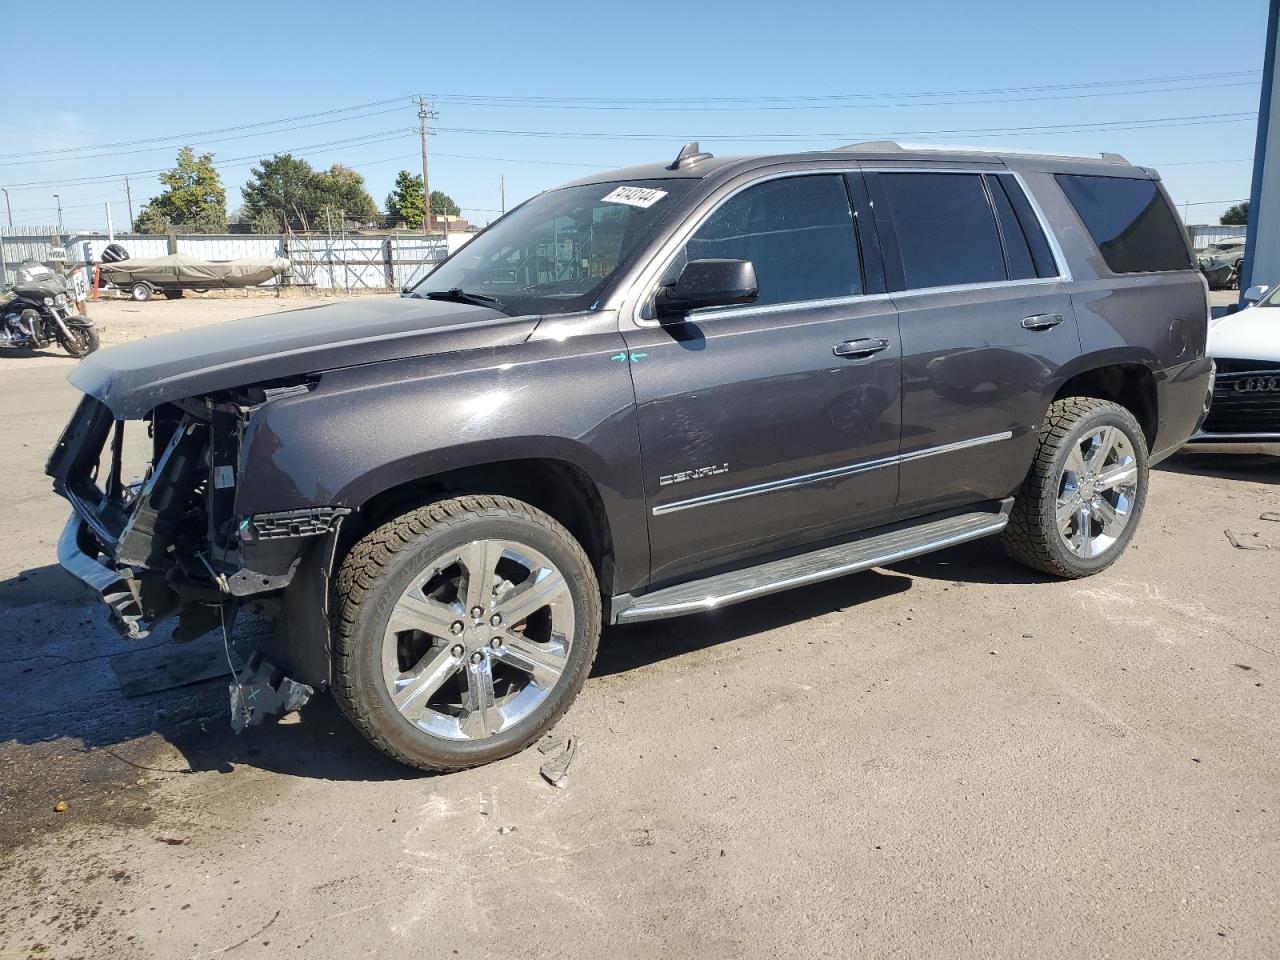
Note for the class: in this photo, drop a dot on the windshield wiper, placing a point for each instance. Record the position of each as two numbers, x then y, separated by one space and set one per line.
458 295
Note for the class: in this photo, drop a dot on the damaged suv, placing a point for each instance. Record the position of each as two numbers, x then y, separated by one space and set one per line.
652 392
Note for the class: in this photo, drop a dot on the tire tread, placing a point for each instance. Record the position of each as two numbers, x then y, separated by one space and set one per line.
370 559
1023 538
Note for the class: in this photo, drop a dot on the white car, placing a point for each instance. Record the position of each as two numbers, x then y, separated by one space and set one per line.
1245 407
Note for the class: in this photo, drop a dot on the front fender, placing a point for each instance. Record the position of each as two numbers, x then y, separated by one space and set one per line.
364 430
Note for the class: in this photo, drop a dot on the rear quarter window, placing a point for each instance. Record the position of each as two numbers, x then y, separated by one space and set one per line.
1130 221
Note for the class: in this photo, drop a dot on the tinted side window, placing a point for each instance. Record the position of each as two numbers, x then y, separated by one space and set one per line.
797 231
1046 266
1017 251
946 230
1130 221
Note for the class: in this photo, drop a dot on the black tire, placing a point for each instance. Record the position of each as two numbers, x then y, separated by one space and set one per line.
1032 536
381 566
173 294
141 292
82 342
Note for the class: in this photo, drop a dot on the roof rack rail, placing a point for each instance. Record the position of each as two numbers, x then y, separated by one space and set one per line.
690 153
893 146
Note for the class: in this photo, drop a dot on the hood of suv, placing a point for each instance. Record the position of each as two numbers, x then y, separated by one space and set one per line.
133 378
1251 334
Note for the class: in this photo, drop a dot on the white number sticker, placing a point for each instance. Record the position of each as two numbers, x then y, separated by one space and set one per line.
224 477
644 197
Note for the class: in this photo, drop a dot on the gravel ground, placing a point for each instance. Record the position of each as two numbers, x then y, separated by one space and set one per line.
949 757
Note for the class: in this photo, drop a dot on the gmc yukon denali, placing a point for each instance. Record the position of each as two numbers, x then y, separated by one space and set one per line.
649 393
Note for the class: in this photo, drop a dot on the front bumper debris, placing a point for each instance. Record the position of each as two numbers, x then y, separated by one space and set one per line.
117 589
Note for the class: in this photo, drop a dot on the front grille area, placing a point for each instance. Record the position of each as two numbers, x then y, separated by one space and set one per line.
1246 398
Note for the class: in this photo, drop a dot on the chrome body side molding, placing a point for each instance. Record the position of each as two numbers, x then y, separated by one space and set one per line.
786 483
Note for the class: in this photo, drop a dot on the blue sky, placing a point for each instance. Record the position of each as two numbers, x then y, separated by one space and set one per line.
832 72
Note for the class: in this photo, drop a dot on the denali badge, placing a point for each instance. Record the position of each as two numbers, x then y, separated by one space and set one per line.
695 474
1257 385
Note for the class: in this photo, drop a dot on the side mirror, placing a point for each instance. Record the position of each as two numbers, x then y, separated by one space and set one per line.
1256 292
707 283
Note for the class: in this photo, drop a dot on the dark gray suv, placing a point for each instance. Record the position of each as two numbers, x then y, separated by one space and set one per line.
651 392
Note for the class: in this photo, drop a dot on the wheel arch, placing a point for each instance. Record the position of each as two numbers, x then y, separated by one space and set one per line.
1126 380
557 485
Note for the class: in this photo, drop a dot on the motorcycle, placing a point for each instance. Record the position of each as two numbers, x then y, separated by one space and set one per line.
40 312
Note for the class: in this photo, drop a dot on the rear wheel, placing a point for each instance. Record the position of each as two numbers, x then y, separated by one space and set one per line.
465 629
141 292
1080 504
173 294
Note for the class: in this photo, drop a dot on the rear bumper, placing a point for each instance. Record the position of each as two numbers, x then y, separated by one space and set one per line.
1183 401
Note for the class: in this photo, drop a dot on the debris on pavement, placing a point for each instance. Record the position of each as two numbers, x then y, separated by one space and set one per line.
550 743
168 666
1270 516
556 770
60 807
1239 541
260 689
506 830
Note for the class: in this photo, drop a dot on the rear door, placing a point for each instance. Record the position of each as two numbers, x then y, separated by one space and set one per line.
986 324
760 429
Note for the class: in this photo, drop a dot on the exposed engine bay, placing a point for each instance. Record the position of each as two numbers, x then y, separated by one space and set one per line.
172 544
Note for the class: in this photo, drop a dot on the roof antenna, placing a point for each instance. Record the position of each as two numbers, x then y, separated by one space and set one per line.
690 153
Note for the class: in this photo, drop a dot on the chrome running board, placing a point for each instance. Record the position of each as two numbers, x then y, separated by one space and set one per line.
863 554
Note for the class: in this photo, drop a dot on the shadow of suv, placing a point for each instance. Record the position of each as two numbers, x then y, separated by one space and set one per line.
651 392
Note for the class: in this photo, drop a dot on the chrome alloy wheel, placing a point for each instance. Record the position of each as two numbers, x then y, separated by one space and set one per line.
1096 492
478 639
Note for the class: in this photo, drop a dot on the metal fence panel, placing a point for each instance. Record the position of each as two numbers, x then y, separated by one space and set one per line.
338 262
1203 234
413 257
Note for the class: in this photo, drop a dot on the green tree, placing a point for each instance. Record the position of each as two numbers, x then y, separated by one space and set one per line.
285 190
404 202
340 197
280 191
442 205
1236 216
193 198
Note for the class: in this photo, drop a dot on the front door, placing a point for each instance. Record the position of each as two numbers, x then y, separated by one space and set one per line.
986 325
772 426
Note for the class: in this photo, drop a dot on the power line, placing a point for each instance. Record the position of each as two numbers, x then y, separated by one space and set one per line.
203 133
241 136
1141 123
859 96
379 137
517 104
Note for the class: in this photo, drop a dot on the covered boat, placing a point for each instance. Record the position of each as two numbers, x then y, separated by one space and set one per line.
178 271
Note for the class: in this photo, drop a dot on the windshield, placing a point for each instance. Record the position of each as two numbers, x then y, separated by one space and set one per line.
556 252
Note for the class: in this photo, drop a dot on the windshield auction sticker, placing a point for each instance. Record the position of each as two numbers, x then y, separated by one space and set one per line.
635 196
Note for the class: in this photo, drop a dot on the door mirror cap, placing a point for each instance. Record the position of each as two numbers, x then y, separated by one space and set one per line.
707 283
1256 293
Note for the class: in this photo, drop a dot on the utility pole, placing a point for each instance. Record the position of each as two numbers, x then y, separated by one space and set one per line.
58 200
502 191
7 208
425 112
129 194
111 228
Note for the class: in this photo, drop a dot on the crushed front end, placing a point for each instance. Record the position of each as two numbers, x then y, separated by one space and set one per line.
172 544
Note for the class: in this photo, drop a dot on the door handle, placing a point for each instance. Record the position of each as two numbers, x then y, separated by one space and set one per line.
860 349
1042 321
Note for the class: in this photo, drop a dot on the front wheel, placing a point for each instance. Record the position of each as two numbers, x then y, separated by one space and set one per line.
141 292
81 341
465 629
1079 506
